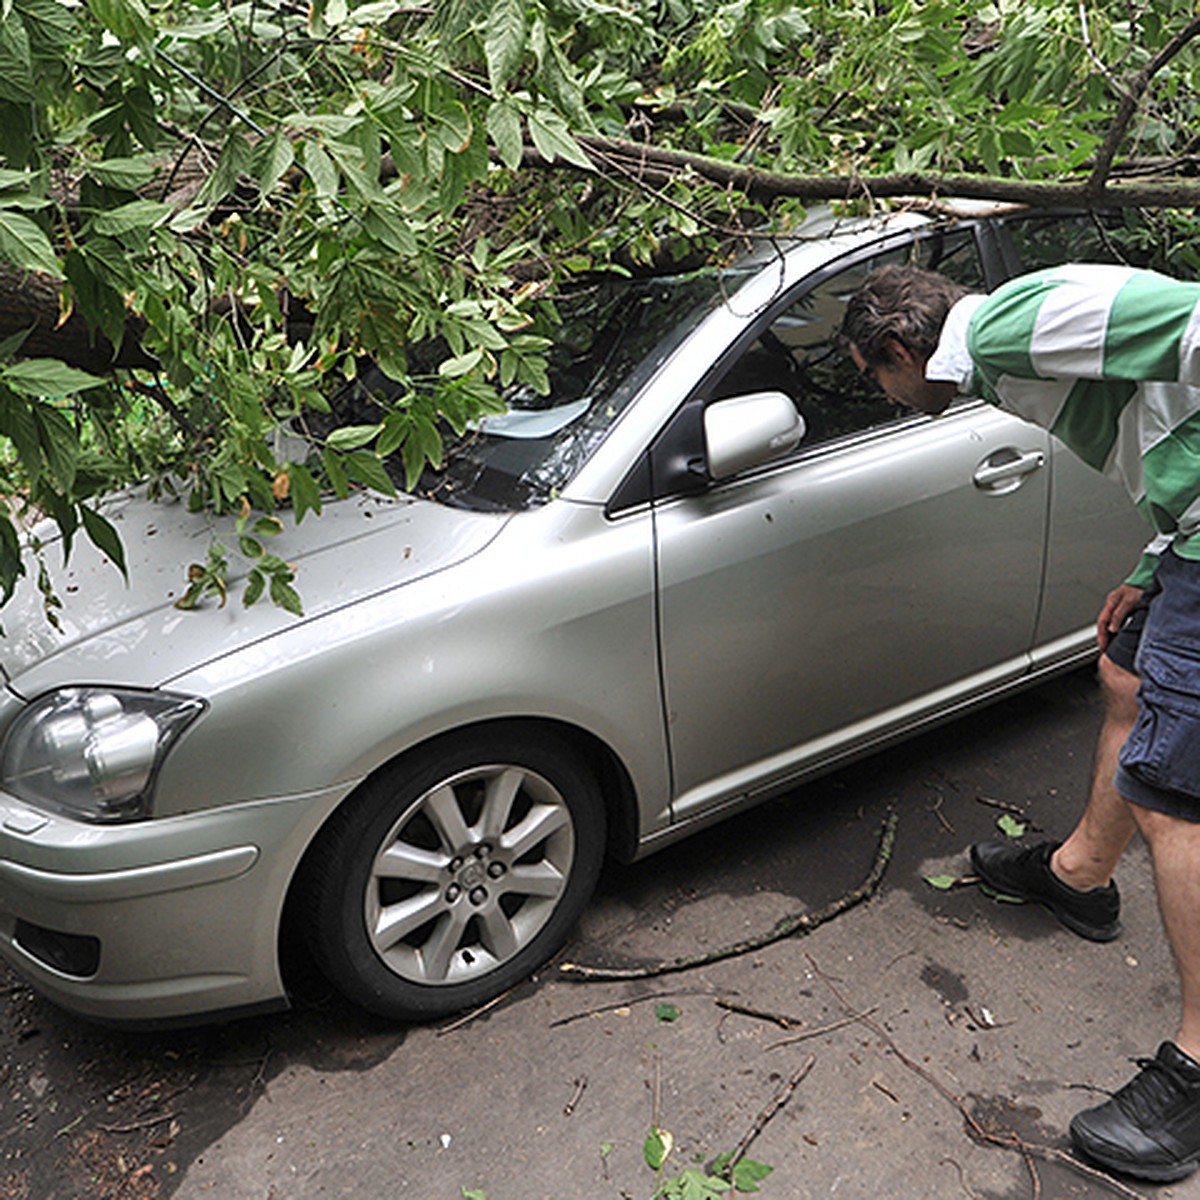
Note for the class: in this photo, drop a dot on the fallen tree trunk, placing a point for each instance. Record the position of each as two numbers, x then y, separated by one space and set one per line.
31 304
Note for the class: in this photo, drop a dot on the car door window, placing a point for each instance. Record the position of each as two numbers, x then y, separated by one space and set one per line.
1046 240
798 351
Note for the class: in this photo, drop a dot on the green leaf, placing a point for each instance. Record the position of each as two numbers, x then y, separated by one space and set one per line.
275 159
942 882
504 128
104 537
128 19
256 582
367 469
24 245
666 1013
351 437
46 377
49 24
140 110
656 1147
748 1174
504 46
126 173
12 345
16 60
12 564
108 260
60 444
12 182
392 228
236 161
353 164
1002 897
320 169
553 139
451 126
335 468
422 444
1011 827
458 173
128 218
100 303
18 424
306 496
286 596
692 1184
474 1194
462 364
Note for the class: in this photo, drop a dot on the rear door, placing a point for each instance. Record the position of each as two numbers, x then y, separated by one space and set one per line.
1095 534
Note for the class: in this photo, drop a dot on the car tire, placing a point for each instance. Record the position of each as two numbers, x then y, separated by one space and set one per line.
454 872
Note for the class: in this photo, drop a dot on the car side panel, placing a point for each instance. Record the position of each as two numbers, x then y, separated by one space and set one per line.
554 620
1095 539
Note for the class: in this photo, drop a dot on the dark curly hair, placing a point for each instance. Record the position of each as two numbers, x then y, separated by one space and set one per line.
908 304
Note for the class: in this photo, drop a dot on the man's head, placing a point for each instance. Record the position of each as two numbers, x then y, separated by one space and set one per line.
892 326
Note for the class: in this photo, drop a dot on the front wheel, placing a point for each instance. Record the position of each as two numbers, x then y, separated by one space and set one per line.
454 873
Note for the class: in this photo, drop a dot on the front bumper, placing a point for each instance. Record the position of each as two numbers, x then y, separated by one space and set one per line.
157 920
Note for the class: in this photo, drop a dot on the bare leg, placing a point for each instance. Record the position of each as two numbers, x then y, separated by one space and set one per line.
1089 856
1175 846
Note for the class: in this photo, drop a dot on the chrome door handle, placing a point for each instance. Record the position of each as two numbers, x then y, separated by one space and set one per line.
1004 470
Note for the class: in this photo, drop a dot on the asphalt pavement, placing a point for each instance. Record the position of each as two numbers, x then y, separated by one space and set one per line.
928 1042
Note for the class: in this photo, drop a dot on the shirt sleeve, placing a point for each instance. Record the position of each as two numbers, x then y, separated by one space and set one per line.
1090 322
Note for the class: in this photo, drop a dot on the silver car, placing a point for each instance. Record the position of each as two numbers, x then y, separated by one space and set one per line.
710 565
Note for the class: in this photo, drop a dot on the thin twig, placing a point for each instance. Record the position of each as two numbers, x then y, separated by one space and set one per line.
962 1177
796 924
781 1019
617 1005
148 1123
580 1085
162 398
656 1111
823 1029
467 1018
776 1102
937 812
1003 805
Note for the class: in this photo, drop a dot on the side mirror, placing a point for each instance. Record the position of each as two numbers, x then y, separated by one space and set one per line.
747 431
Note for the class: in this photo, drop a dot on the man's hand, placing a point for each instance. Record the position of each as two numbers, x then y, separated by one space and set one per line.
1118 604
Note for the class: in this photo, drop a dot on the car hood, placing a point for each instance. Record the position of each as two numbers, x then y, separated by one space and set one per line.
110 631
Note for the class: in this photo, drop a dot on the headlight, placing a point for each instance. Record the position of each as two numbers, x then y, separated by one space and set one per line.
93 752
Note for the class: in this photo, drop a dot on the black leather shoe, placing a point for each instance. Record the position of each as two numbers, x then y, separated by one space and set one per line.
1151 1127
1025 872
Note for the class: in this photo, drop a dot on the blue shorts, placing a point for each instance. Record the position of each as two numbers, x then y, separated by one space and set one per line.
1160 761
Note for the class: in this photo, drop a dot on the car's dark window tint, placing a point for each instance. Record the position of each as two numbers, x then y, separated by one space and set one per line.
1046 241
799 353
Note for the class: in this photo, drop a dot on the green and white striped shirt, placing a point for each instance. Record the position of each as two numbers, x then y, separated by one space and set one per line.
1108 360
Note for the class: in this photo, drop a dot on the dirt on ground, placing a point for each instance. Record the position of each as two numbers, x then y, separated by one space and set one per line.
107 1114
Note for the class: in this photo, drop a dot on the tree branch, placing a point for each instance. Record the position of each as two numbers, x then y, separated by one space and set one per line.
1097 184
657 164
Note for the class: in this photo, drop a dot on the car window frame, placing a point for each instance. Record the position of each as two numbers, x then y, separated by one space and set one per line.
683 427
